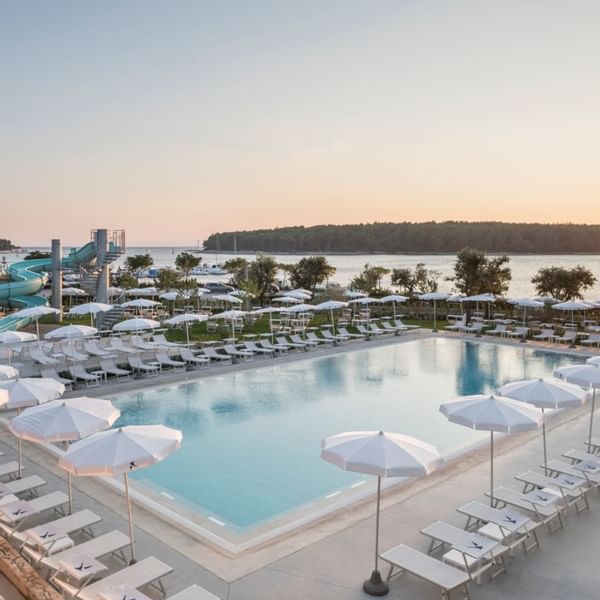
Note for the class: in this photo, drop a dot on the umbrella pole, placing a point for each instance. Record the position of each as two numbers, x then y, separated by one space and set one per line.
544 438
394 309
375 586
491 468
37 328
130 516
187 333
69 484
592 419
434 315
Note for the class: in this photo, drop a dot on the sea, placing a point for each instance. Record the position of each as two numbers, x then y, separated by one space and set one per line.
523 266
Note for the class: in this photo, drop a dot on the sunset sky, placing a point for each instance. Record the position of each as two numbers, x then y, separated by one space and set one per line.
175 119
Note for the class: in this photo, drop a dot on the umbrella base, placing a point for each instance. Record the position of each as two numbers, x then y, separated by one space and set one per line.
522 341
375 586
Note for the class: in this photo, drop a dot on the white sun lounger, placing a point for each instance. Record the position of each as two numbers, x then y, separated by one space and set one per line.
160 339
233 351
367 332
135 362
91 347
374 328
313 337
499 329
140 343
148 571
191 359
15 514
572 489
539 505
297 346
568 336
80 374
166 361
506 525
405 559
194 592
214 355
29 539
518 332
306 344
457 325
50 373
70 352
593 445
25 485
357 336
39 357
110 368
254 347
9 469
274 347
117 344
400 325
576 456
334 338
112 542
389 328
466 550
545 334
593 340
589 471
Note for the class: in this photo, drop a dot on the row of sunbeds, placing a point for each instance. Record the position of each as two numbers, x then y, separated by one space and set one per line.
65 549
493 531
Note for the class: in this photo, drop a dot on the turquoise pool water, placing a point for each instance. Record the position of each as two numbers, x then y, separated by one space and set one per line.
251 440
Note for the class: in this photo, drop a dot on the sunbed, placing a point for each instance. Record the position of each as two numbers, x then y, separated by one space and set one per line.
139 342
9 469
405 559
15 514
593 445
110 368
506 525
53 537
80 374
344 331
191 359
569 336
466 550
373 328
589 471
119 345
91 347
477 328
306 344
367 332
388 327
542 506
194 592
25 485
70 352
166 361
39 357
275 347
499 329
50 373
402 326
313 337
457 325
545 334
112 542
575 455
254 347
593 340
148 571
214 355
281 340
572 489
136 363
160 339
518 332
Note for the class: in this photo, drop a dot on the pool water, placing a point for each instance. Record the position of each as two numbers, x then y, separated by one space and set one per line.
251 440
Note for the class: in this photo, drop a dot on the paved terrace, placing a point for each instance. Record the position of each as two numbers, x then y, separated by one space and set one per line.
331 558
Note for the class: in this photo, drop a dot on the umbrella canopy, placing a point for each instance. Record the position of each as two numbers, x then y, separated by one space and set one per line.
331 305
72 291
120 451
140 303
172 296
298 308
229 314
17 337
491 413
299 294
287 300
136 325
434 297
526 302
544 394
595 360
146 291
354 294
8 372
383 455
588 376
225 298
366 300
36 312
480 298
90 308
186 319
572 306
26 392
71 331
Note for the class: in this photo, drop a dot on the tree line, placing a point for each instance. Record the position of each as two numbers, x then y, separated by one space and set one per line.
415 238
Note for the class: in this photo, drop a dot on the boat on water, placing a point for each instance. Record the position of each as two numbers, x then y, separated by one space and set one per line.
206 269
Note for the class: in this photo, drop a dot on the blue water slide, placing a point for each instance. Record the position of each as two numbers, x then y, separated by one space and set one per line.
28 277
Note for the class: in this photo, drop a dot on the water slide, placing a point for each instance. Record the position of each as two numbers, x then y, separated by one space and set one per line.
28 277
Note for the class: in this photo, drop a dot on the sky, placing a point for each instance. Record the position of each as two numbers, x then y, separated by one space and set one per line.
177 119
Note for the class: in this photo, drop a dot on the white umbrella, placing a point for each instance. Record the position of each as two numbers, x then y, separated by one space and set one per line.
73 291
140 303
287 300
299 294
136 325
147 291
572 307
354 294
173 296
120 451
393 298
114 291
331 305
16 337
230 315
90 308
544 394
224 298
491 413
435 297
383 455
26 392
587 375
298 308
70 332
36 312
186 319
8 372
64 421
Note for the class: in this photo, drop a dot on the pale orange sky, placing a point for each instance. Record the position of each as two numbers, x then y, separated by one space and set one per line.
177 120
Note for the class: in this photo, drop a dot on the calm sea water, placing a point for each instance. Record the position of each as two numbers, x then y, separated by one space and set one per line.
251 440
523 266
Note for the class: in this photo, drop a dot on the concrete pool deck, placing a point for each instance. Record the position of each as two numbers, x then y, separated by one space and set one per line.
329 558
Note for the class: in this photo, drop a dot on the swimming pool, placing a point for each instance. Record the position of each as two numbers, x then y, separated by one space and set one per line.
251 439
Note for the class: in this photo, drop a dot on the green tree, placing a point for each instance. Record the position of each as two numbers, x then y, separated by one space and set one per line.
36 254
186 262
310 272
403 279
287 269
369 279
261 277
476 273
138 263
421 280
562 283
238 270
125 281
168 279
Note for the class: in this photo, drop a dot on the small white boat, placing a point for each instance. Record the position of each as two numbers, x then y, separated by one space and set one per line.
206 269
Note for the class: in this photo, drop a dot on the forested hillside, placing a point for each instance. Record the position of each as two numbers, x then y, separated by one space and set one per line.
421 238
